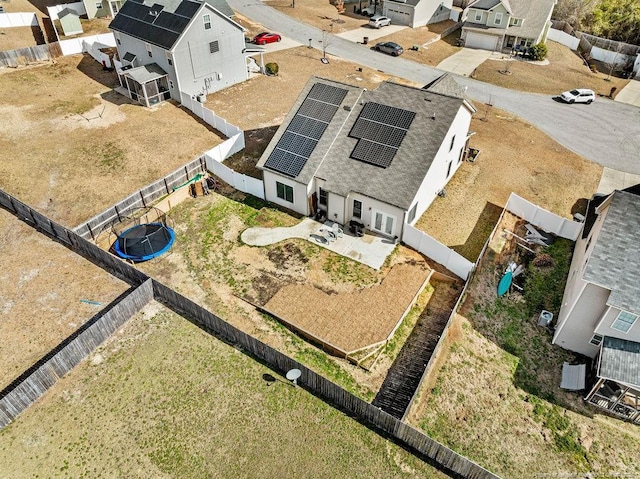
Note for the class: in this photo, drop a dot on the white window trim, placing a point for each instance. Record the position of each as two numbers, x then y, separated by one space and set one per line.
206 20
478 16
498 18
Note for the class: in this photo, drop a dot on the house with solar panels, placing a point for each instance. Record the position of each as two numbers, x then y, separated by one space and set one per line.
601 303
172 48
377 158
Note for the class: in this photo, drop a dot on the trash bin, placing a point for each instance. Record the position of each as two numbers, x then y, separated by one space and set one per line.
365 40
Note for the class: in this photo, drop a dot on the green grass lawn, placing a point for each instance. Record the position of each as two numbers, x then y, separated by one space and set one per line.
164 399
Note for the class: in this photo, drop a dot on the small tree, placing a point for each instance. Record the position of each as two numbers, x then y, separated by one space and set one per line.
615 63
271 69
539 52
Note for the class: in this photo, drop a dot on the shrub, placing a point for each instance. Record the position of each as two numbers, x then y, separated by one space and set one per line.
539 52
271 68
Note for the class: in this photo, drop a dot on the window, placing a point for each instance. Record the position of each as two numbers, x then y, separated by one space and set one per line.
478 16
117 38
357 209
98 5
449 169
412 213
498 19
624 321
452 142
148 49
207 21
323 197
214 47
169 59
284 191
170 84
596 340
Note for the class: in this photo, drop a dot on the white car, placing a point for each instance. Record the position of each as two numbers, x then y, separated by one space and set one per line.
378 21
369 11
579 95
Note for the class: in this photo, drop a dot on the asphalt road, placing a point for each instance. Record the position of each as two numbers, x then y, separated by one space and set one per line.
605 132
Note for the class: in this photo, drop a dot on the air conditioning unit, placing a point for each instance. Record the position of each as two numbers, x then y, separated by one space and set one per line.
545 318
202 98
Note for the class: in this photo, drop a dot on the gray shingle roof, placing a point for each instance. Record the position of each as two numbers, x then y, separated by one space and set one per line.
489 4
615 260
620 361
398 183
535 14
446 85
146 73
67 11
308 171
160 22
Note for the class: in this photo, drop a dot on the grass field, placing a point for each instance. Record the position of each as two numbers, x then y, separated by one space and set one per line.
496 396
164 399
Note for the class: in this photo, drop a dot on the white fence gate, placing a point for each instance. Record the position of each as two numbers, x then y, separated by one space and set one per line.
432 248
549 222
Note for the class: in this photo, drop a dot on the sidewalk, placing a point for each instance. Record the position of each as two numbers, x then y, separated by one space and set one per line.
630 94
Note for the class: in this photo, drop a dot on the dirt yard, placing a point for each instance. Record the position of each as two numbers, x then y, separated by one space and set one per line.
565 71
67 146
514 157
18 37
46 293
499 377
351 321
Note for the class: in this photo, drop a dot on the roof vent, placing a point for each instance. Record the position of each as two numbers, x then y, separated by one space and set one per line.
433 116
153 13
347 107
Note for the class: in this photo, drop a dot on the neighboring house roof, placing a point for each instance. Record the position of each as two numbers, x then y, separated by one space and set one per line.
146 73
535 14
67 11
490 4
446 85
620 361
615 261
160 22
423 117
413 3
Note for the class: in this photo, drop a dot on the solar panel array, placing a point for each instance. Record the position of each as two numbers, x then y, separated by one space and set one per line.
305 129
380 130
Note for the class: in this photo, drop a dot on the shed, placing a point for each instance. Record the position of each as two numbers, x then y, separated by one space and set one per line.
70 22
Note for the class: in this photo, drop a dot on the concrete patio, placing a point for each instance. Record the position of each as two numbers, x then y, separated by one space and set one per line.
369 249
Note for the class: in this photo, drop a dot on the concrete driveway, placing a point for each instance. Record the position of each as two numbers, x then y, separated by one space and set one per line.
358 34
465 61
630 94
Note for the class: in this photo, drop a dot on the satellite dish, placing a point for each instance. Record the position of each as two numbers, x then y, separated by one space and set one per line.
293 375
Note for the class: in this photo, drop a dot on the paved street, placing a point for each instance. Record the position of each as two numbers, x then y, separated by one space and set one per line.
605 131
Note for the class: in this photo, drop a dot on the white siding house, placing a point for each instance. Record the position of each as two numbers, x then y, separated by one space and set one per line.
416 13
506 24
168 47
378 158
601 303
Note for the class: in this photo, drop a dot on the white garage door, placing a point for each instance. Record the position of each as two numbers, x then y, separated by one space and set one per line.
398 16
479 40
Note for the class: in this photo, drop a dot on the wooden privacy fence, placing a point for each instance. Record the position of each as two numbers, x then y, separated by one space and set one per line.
140 199
404 434
24 56
23 392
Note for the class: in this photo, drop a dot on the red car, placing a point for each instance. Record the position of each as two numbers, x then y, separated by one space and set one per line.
266 37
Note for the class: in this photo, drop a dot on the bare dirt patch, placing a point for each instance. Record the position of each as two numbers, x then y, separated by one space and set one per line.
18 37
515 157
356 320
68 147
44 294
565 71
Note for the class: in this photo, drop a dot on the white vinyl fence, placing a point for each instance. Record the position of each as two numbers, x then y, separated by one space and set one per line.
21 19
563 38
432 248
215 156
543 219
93 49
76 45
